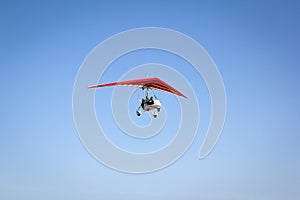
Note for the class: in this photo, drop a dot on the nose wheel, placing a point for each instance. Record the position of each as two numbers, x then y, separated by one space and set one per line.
138 113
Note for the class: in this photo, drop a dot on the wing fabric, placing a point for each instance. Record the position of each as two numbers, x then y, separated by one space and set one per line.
151 83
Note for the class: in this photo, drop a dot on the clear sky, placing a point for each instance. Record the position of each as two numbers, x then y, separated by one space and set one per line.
255 45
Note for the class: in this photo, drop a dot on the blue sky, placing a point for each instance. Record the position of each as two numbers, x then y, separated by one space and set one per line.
255 45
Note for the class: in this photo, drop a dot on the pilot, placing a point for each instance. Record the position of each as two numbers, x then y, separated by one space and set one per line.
151 101
143 103
147 101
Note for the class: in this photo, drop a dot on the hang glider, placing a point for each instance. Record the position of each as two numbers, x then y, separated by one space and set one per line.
150 104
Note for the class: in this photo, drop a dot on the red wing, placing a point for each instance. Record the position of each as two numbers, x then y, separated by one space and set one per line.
152 83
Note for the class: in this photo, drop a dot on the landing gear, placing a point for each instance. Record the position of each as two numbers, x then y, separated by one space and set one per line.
138 113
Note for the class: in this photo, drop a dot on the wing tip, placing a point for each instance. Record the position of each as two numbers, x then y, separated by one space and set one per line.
92 86
182 95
